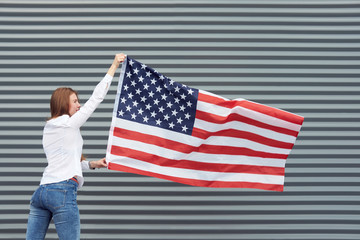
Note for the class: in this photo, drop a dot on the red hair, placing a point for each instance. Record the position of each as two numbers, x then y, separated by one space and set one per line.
60 101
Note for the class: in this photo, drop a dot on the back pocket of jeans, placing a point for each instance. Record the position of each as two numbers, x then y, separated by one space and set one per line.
55 198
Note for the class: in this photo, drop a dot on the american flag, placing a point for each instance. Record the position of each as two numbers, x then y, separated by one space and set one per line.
165 129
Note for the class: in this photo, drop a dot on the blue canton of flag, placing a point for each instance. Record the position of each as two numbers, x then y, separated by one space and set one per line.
148 97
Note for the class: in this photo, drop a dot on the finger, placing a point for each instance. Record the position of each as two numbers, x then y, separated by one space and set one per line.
103 162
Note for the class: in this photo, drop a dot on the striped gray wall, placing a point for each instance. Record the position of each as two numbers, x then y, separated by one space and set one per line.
301 56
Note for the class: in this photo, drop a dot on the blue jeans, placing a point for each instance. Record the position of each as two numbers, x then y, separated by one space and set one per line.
55 201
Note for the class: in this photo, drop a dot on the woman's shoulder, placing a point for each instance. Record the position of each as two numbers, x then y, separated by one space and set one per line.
58 121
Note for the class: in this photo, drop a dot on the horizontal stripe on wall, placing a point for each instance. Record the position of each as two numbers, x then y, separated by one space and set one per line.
300 56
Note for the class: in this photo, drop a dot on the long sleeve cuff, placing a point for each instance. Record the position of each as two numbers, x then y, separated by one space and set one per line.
85 165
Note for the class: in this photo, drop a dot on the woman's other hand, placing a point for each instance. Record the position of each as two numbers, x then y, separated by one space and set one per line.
98 164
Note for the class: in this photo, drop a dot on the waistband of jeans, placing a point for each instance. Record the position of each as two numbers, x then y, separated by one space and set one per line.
74 179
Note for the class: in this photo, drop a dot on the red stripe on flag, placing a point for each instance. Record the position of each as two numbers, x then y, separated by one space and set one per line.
199 183
270 111
185 148
203 134
209 117
194 165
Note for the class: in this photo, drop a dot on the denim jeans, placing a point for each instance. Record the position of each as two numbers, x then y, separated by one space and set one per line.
55 201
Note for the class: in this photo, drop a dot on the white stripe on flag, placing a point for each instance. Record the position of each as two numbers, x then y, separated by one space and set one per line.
213 127
223 111
196 156
198 174
193 141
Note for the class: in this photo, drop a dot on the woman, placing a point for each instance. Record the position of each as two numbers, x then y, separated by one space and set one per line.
62 142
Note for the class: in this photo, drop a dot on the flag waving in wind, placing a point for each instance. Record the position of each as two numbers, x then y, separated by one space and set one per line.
165 129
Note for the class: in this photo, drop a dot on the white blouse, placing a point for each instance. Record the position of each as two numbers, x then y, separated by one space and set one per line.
62 141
